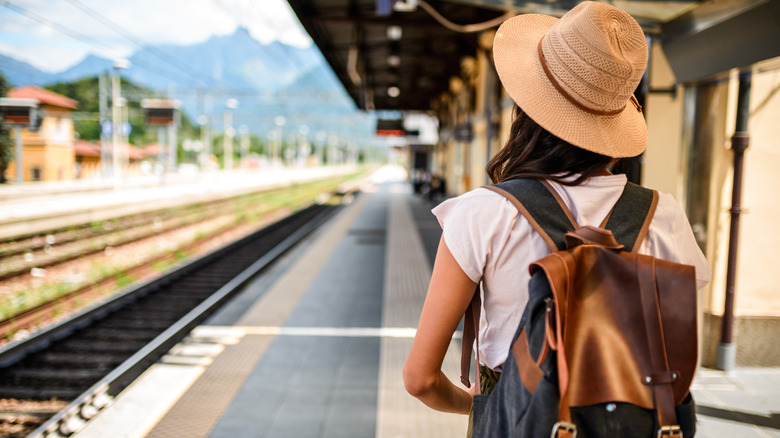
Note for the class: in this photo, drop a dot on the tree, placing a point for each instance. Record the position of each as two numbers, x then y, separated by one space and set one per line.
6 146
86 92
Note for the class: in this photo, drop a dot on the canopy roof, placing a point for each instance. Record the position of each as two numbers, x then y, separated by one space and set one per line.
382 68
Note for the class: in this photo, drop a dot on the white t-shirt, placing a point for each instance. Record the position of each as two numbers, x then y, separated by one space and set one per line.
493 243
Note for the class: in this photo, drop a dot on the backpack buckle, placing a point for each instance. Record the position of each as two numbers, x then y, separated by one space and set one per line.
563 426
669 431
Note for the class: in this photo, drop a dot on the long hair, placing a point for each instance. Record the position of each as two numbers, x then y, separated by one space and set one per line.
532 152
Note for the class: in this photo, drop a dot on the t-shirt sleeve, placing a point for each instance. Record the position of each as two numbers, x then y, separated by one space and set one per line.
475 227
671 238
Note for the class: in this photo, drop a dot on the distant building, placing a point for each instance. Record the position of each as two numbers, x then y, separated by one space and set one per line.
87 156
131 158
48 153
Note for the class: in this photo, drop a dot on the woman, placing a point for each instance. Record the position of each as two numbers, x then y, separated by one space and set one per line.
572 81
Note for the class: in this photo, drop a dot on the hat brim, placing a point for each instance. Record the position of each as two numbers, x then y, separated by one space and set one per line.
518 66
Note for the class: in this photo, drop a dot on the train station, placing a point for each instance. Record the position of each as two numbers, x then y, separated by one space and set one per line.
191 287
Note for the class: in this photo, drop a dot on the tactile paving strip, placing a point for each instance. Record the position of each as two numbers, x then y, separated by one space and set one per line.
407 274
199 410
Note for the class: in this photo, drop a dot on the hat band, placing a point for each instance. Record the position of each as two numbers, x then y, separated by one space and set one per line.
571 98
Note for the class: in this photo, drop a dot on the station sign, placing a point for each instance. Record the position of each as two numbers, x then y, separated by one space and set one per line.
106 128
160 112
390 128
19 111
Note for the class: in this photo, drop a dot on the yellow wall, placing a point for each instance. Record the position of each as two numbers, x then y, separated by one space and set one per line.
663 164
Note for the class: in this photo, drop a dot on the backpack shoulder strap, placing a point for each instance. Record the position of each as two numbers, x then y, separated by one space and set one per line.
540 204
630 218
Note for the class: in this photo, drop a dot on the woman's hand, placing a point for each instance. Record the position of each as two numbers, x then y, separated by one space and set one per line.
449 293
472 390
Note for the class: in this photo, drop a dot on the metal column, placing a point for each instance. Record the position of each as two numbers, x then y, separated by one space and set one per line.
727 350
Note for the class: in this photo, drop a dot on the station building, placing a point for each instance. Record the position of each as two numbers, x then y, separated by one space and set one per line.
47 153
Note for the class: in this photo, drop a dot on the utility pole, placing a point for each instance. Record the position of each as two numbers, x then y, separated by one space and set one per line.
162 149
279 121
119 64
105 126
244 150
227 149
205 151
173 141
19 154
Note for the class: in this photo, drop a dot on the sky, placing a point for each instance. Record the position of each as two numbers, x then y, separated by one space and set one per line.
54 35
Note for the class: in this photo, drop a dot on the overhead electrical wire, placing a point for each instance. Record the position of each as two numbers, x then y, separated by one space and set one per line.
143 45
237 19
54 25
73 34
252 5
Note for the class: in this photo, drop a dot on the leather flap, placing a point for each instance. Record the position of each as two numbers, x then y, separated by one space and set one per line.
608 361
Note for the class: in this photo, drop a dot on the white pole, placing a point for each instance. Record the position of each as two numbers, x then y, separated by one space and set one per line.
227 149
203 154
18 159
115 116
103 91
161 150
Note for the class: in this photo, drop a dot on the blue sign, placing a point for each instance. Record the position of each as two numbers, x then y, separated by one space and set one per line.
125 129
106 128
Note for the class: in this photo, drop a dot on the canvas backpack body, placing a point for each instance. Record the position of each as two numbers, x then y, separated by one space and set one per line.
607 344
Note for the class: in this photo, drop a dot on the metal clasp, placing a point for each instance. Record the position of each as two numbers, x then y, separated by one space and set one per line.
669 431
563 426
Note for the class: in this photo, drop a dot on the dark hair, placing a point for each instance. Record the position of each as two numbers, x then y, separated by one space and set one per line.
532 152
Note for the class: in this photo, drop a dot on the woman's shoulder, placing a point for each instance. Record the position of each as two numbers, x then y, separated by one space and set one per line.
479 209
668 211
671 237
479 198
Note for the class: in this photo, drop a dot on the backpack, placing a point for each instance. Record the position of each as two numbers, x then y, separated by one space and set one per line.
607 344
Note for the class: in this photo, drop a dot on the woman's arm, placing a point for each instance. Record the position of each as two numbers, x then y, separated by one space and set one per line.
449 294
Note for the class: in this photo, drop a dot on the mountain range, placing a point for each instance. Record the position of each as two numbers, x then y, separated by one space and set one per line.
267 79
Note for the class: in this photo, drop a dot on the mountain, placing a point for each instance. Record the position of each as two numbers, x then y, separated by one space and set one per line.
89 67
233 61
21 73
230 62
267 79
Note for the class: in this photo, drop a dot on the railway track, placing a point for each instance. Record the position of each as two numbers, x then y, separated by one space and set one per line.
92 356
24 254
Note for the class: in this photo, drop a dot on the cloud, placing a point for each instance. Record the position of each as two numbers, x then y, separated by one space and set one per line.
102 27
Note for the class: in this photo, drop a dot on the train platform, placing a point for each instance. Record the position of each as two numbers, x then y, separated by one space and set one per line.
314 346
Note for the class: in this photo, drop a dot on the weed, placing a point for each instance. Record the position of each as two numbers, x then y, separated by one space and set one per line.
124 280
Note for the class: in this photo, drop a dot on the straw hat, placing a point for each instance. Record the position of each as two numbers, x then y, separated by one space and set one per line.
576 76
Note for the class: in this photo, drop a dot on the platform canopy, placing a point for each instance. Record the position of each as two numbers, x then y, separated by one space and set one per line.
401 54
